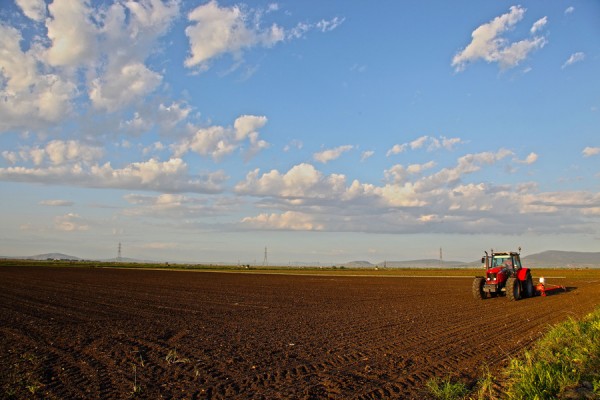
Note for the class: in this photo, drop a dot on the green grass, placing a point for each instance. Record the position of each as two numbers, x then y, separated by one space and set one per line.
565 363
444 389
566 359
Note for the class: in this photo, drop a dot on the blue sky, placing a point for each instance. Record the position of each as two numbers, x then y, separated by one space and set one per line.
324 131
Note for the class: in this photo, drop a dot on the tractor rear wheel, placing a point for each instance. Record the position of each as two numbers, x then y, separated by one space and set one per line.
477 287
528 290
513 289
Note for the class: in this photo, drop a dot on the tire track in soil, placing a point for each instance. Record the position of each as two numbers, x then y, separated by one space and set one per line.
260 336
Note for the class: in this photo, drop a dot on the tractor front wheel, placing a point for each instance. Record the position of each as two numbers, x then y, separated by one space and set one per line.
513 289
477 287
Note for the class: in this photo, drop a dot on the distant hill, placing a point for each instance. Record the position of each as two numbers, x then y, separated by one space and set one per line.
563 259
50 256
407 264
546 259
61 256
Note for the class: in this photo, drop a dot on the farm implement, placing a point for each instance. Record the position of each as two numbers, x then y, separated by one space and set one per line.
505 275
542 288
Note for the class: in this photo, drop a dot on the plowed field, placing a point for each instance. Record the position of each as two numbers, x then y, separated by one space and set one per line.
83 333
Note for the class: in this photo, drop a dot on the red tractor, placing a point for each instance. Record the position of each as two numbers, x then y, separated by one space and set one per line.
503 274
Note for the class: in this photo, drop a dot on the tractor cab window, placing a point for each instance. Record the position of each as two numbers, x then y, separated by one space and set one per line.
500 261
517 262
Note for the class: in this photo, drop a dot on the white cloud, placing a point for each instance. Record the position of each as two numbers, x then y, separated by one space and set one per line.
218 141
488 44
220 30
418 143
296 144
89 49
169 205
539 25
216 31
396 149
432 144
366 154
591 151
412 201
329 25
574 58
288 220
331 154
56 203
530 159
71 223
123 85
167 176
10 156
31 98
59 152
570 10
72 34
398 174
33 9
300 181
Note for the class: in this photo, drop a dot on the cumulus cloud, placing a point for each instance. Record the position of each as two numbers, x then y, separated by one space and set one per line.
415 198
58 152
574 58
570 10
396 149
31 97
167 176
331 154
99 51
71 223
216 30
56 203
33 9
366 155
591 151
432 143
288 220
329 25
219 30
218 141
175 205
300 181
399 174
489 45
530 159
294 144
122 85
72 34
539 25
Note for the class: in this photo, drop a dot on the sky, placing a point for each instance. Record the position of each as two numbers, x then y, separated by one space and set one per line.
317 132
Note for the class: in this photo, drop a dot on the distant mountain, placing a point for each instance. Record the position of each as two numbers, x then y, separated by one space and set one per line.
51 256
61 256
359 264
406 264
427 263
563 259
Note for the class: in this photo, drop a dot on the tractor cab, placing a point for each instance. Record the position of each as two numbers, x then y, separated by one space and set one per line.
503 263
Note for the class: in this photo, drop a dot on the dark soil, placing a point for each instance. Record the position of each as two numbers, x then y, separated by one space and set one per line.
85 333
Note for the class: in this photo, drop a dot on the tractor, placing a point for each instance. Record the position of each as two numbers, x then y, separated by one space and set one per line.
504 274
